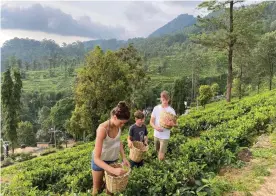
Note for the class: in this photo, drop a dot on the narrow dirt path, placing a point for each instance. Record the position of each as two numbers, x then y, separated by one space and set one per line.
269 187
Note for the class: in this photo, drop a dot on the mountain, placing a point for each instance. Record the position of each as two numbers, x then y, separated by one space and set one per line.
110 44
177 24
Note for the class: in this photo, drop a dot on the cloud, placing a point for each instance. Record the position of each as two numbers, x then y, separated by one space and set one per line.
145 17
191 4
51 20
139 11
91 19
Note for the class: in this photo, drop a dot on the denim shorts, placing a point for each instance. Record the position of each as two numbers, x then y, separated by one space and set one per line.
96 167
135 164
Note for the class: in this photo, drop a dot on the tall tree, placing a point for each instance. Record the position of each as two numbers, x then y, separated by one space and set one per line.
181 94
221 32
43 118
134 72
197 61
243 55
266 55
17 90
10 94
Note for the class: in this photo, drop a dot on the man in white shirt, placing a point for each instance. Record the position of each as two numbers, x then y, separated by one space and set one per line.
161 135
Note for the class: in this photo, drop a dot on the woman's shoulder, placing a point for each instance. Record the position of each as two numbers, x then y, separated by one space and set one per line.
103 126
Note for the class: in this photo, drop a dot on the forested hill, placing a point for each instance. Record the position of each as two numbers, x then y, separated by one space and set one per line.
177 24
31 52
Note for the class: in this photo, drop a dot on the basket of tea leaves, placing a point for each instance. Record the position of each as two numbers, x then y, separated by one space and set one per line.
137 151
115 183
166 117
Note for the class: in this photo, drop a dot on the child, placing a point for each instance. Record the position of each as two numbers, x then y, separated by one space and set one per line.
138 132
108 146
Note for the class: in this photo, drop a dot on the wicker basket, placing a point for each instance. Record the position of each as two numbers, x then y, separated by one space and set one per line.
115 184
137 151
166 115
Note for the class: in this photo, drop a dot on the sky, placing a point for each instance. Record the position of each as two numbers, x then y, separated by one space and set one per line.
69 21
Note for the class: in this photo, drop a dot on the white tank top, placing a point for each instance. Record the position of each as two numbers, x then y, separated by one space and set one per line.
111 146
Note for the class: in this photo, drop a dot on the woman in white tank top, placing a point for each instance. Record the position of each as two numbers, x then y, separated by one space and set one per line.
108 146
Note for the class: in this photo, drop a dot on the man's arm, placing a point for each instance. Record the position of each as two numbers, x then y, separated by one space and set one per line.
152 123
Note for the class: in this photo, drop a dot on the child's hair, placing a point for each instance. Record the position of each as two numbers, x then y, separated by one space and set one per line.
165 95
121 111
139 114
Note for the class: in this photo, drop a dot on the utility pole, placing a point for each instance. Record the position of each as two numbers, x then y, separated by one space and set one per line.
55 137
6 148
65 137
53 130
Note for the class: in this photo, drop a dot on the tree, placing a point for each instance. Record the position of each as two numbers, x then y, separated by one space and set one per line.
134 71
61 112
43 135
257 73
17 90
215 89
266 55
26 134
43 117
180 94
238 91
10 94
142 97
79 121
270 17
163 65
205 94
105 79
197 61
243 59
222 31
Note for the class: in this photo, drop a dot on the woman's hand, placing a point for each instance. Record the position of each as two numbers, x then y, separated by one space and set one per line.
126 162
118 171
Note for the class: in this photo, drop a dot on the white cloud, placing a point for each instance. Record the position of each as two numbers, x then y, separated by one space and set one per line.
138 19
